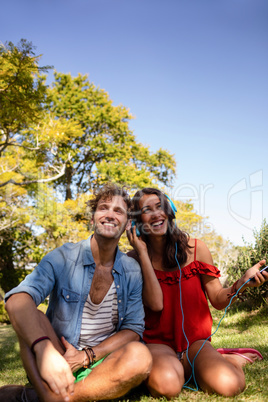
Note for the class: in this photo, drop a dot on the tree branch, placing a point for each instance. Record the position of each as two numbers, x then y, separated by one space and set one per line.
26 183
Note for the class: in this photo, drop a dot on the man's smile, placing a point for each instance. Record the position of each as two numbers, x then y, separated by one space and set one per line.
110 224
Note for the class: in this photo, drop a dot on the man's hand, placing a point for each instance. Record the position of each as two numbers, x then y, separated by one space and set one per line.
54 369
75 358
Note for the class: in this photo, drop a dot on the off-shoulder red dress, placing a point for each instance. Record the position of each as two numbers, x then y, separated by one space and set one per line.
165 327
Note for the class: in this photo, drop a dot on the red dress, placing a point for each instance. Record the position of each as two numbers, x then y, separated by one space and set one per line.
165 327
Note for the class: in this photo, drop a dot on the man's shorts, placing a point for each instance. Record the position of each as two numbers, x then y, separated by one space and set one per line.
82 373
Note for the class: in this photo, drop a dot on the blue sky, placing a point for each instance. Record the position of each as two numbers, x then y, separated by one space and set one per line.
194 75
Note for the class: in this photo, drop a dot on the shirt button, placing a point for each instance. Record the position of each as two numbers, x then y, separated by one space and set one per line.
67 297
118 286
119 301
113 271
121 318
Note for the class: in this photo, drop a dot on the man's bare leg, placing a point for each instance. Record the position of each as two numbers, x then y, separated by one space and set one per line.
121 371
28 358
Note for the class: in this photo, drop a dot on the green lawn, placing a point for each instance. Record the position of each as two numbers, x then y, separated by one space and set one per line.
238 329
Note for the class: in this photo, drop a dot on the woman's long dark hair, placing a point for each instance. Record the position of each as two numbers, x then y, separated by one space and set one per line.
174 234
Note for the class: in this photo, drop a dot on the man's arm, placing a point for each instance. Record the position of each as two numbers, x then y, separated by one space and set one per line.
114 342
30 325
25 317
77 359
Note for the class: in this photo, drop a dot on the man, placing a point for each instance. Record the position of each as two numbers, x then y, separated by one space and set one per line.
95 316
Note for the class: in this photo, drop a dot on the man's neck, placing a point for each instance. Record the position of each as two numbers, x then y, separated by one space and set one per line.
103 250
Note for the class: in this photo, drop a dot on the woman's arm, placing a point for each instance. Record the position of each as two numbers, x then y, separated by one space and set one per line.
152 292
219 296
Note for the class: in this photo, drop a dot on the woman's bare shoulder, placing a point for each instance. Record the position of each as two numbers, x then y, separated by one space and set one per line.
202 252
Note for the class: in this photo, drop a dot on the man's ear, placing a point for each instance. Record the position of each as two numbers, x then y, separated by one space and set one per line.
128 226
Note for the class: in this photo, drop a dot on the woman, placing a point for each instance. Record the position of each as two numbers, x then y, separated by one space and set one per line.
178 274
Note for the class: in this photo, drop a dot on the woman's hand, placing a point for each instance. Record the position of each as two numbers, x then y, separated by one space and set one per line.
75 358
136 241
254 272
152 292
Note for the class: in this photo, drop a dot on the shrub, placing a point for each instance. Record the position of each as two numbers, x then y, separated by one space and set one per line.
248 256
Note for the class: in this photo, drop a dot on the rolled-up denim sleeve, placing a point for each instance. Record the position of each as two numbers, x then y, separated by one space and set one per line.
39 283
134 314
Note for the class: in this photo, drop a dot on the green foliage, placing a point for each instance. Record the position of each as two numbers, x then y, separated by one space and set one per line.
61 222
4 318
104 149
22 90
186 218
248 256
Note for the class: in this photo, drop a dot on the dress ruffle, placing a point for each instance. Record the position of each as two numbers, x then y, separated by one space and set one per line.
187 272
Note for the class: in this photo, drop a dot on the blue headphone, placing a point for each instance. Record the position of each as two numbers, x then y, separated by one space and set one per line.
174 209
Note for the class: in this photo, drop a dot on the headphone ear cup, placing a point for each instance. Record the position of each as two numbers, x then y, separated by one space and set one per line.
134 223
174 209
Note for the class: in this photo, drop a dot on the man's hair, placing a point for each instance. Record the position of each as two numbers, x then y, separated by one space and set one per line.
108 191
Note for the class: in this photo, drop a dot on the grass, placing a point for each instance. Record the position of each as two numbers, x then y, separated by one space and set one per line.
238 329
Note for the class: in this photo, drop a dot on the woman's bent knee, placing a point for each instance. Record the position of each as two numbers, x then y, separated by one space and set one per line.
226 384
167 383
230 385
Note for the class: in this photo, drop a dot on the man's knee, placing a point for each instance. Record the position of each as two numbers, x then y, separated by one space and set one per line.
137 357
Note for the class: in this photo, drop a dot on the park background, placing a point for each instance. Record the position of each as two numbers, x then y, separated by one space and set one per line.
194 76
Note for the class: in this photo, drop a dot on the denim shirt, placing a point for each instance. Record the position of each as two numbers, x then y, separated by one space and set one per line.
66 275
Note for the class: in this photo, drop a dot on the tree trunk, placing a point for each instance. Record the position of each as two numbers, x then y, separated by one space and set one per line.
68 176
8 277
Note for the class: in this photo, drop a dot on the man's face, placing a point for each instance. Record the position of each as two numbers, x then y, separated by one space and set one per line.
110 218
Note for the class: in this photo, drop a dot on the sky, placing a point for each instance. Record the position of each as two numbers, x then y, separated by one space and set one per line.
194 75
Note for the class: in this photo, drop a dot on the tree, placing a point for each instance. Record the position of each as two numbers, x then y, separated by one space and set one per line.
106 149
24 159
22 97
74 137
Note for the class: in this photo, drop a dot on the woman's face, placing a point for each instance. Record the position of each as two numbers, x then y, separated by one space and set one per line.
154 219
